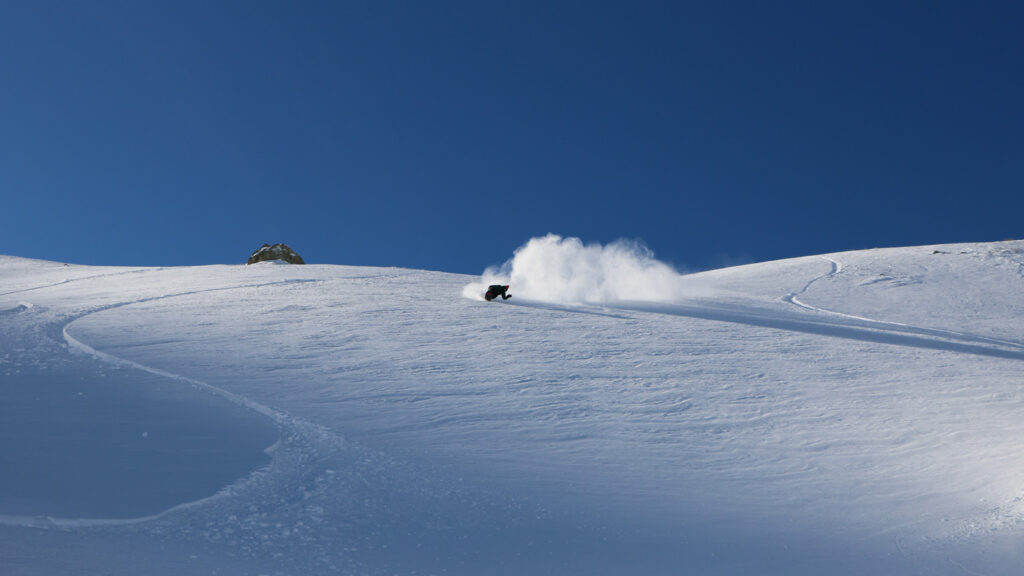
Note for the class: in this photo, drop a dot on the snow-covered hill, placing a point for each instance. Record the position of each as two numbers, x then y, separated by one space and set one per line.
854 413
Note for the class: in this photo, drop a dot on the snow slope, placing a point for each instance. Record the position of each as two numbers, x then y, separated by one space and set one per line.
854 413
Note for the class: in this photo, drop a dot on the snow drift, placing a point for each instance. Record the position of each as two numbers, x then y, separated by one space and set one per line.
567 271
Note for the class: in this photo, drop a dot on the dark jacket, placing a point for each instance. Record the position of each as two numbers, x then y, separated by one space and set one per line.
495 290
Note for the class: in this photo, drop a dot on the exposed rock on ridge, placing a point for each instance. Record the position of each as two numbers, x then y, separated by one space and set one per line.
275 252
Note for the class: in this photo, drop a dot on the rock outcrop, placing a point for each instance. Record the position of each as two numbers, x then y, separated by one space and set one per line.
276 252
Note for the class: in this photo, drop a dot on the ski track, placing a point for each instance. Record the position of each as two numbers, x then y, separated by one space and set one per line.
837 268
811 319
792 296
83 278
288 425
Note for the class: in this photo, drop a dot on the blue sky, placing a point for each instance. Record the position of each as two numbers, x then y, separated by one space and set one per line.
442 135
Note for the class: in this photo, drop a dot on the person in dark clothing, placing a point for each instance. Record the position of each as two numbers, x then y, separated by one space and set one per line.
496 290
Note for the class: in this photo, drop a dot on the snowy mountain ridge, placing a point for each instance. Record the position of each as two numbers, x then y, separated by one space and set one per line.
847 413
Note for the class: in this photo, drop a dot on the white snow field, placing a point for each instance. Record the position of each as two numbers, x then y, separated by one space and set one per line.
848 414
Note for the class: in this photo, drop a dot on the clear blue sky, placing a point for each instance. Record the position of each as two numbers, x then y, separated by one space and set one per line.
442 135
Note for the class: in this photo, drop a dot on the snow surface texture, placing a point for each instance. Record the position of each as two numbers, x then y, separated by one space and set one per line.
854 413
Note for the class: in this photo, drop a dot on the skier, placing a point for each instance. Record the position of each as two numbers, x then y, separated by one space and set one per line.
496 290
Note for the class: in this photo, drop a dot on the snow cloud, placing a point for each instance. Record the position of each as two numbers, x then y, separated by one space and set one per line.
567 271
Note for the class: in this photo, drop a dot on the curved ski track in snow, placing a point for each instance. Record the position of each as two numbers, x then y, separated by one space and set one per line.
82 279
895 327
809 319
792 296
291 426
76 344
